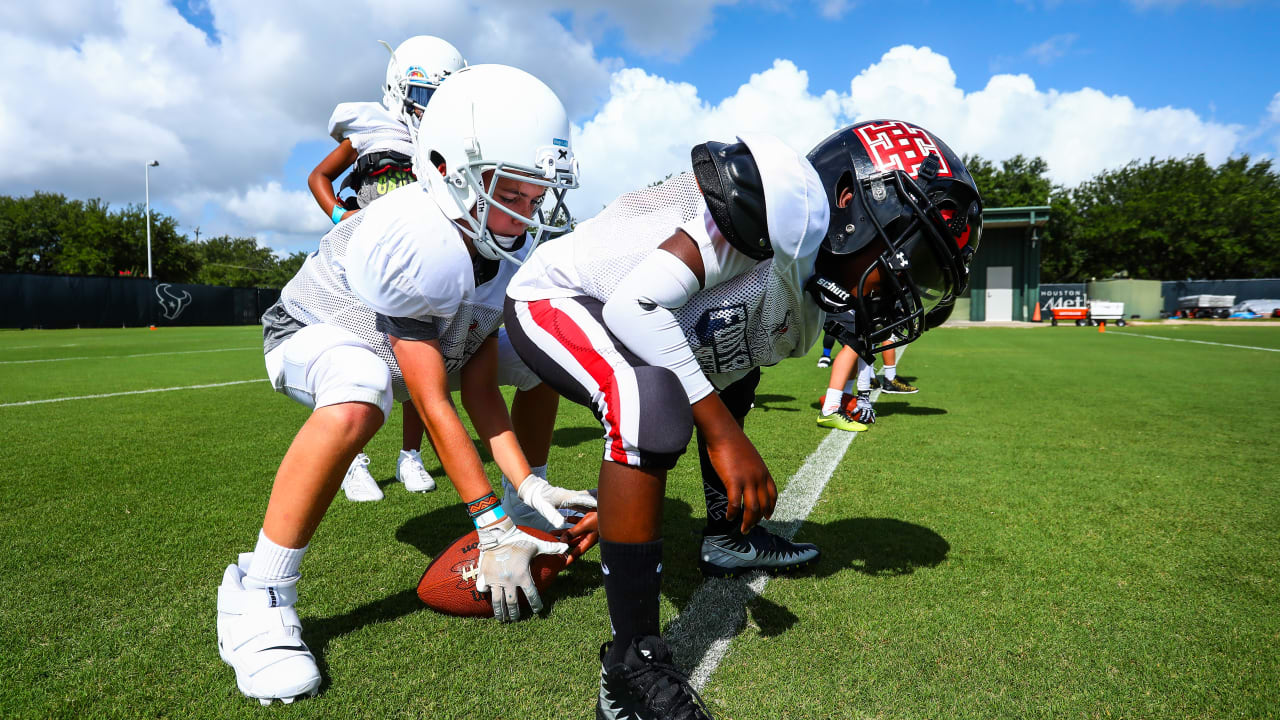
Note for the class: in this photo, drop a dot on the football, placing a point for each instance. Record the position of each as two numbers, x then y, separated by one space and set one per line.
449 584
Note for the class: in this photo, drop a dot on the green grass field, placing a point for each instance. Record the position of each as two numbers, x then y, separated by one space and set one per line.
1061 524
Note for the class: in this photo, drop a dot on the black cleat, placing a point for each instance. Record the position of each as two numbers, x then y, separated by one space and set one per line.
734 554
646 686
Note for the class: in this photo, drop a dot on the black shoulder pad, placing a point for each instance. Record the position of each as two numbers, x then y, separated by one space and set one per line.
730 182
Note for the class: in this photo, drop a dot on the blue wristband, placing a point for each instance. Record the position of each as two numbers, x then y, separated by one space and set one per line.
338 212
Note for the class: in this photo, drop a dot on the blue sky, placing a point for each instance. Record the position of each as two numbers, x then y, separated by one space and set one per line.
232 95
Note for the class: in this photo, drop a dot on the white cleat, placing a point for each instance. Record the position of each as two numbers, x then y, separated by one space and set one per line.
411 472
260 637
359 485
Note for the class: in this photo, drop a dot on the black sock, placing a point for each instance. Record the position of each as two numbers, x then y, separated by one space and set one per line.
714 492
632 581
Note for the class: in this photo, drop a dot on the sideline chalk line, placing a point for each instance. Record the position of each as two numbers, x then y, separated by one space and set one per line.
131 392
1198 342
699 637
114 357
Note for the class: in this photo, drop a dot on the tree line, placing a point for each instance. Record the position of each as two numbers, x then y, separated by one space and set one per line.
50 234
1169 219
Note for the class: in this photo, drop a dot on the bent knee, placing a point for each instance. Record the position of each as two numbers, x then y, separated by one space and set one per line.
666 420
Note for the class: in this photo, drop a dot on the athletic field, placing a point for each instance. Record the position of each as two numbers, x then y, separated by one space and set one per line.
1061 524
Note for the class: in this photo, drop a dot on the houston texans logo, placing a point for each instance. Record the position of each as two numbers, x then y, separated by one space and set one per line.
172 303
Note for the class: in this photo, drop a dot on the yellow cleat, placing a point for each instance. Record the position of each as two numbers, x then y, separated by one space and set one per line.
840 420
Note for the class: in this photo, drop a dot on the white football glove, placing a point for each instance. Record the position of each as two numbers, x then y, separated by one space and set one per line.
863 412
547 499
505 554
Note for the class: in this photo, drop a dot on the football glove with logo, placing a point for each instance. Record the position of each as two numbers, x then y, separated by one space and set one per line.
505 554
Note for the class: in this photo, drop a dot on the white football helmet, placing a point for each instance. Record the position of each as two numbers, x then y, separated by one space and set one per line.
416 69
500 119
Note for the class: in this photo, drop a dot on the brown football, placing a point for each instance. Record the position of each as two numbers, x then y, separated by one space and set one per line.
449 584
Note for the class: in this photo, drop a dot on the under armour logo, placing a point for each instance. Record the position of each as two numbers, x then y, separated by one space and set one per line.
902 260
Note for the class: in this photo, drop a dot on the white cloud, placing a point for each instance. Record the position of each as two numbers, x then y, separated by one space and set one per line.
271 208
834 9
646 128
92 90
1052 49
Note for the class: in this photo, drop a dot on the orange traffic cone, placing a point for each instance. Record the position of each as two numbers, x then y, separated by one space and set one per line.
1102 326
1035 315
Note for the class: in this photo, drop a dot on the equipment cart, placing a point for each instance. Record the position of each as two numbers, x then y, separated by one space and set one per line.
1205 306
1094 311
1100 310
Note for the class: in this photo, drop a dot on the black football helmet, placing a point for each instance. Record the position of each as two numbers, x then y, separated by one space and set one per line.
899 195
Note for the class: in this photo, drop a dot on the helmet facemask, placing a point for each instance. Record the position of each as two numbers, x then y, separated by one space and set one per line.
557 173
920 253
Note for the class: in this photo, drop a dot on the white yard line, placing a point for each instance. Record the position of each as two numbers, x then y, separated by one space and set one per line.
130 392
138 355
700 637
1198 342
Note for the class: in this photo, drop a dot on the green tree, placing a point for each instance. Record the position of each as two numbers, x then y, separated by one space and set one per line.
235 262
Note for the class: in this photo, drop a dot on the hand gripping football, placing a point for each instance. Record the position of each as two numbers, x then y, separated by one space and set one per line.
449 584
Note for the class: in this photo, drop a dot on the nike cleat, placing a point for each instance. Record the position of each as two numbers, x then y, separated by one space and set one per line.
897 387
260 637
840 420
733 554
647 686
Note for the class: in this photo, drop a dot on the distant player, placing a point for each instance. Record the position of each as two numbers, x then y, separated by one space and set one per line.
657 314
375 139
406 296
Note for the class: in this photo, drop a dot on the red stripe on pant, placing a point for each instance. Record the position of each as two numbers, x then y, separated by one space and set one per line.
560 326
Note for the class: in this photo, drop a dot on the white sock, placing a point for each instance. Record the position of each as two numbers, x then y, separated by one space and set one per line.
890 372
831 402
865 373
273 563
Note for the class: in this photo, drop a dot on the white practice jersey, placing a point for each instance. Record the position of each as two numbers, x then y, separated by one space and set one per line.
748 314
370 128
402 258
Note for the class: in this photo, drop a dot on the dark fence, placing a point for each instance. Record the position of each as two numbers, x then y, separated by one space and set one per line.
1261 289
68 301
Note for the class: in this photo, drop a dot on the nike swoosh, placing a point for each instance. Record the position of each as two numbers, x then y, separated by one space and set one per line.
750 555
605 568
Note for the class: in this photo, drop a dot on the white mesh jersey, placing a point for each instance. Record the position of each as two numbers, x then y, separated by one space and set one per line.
747 315
321 292
370 128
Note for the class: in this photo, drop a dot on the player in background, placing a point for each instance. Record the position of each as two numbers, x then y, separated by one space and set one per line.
374 137
407 295
658 312
847 403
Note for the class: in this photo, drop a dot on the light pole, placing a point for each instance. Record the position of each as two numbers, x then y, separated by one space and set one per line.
146 172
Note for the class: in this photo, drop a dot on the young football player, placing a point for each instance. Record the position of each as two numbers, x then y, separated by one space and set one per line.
658 312
375 139
406 296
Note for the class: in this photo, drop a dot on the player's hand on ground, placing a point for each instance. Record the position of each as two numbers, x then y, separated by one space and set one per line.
505 554
582 536
747 482
548 499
